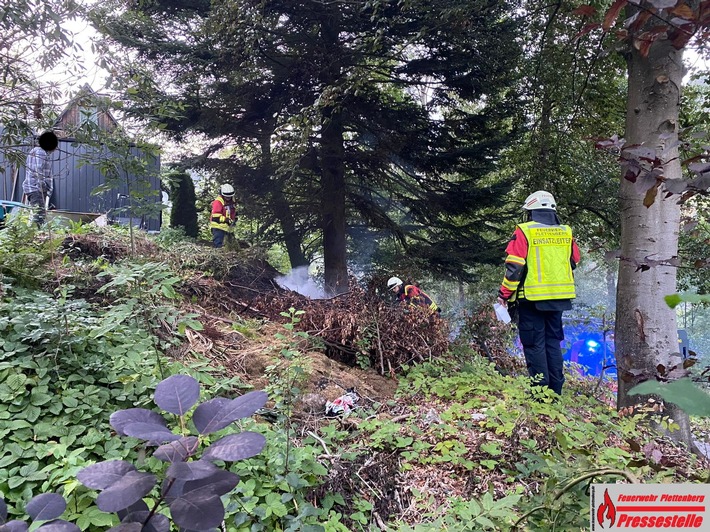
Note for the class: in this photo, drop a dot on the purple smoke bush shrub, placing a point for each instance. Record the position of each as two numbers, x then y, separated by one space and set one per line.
192 487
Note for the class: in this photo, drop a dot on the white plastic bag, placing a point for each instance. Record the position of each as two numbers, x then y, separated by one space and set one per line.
342 405
501 313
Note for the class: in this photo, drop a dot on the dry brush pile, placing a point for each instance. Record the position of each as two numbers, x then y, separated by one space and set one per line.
359 327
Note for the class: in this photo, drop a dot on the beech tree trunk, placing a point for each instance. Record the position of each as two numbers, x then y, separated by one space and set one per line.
646 333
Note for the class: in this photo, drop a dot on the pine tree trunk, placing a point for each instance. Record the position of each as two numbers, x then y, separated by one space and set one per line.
333 171
282 209
646 333
333 206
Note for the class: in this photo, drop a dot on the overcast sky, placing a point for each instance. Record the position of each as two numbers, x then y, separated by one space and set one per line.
80 67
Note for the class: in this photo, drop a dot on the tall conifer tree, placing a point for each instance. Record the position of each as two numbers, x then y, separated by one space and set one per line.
183 212
388 113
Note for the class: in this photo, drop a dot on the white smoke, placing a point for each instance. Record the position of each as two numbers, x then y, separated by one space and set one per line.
299 281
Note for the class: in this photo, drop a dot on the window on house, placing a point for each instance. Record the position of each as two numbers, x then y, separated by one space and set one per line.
90 115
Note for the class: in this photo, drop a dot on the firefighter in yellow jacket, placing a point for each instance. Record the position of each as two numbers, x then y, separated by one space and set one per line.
541 256
224 215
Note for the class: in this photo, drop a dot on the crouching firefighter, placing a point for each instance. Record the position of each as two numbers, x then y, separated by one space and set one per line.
223 215
412 295
541 257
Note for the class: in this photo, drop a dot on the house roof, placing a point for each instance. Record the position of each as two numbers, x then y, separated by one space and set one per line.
70 117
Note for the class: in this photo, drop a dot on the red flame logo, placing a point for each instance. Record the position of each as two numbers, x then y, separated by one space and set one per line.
606 507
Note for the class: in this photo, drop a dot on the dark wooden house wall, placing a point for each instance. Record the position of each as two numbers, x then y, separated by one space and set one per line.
75 183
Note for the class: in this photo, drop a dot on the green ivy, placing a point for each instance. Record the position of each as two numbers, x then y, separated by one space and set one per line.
55 382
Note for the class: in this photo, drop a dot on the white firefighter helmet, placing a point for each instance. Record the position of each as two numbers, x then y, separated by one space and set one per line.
393 282
540 200
226 190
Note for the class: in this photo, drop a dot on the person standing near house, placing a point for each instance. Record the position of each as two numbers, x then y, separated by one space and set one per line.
541 257
38 184
223 215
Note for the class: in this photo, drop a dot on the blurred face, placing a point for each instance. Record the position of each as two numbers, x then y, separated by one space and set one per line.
395 288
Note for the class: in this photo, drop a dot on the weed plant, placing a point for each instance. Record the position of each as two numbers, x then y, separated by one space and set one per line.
542 450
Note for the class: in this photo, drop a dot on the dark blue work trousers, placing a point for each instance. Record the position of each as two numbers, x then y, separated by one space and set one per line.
218 237
541 333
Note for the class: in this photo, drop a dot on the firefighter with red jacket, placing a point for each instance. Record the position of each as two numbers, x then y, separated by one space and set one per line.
539 279
411 294
223 215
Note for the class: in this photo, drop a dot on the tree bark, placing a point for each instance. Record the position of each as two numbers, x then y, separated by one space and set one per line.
282 209
333 204
646 332
610 272
333 169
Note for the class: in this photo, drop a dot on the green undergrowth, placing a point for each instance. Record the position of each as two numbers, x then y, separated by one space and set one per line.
515 455
59 387
83 337
461 447
65 366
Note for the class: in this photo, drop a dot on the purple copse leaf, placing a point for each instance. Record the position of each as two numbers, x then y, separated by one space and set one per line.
14 526
126 527
206 413
702 182
3 511
614 143
699 168
46 507
157 523
675 186
644 182
235 447
669 149
218 413
59 525
642 153
150 432
630 169
104 474
192 470
220 483
134 415
178 450
131 488
663 4
138 506
172 489
177 394
197 511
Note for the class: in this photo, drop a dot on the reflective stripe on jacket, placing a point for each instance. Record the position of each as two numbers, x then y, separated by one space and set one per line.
549 270
416 296
223 215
